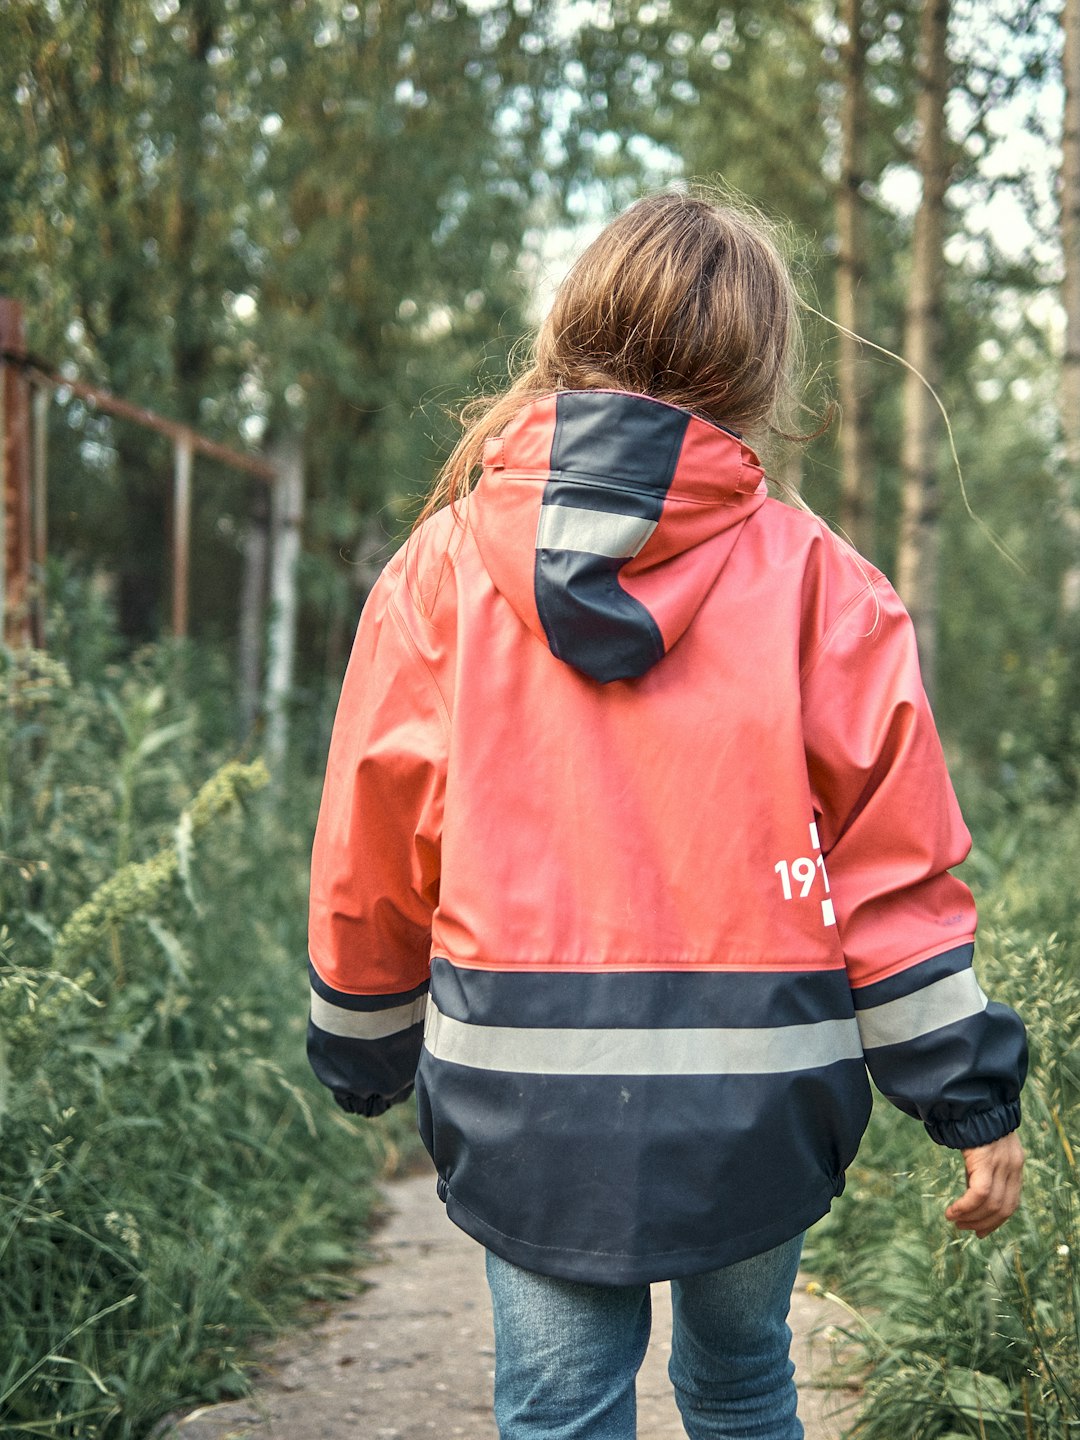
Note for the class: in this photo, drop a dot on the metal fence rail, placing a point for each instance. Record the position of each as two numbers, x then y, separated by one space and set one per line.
27 384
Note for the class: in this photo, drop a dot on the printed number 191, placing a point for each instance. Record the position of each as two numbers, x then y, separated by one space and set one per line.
803 871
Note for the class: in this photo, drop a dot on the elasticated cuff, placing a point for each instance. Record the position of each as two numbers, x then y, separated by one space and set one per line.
981 1127
370 1105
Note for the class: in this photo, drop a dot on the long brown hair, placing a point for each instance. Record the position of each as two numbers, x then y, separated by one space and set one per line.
683 298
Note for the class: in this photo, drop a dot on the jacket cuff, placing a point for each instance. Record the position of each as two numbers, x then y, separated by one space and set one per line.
981 1127
370 1105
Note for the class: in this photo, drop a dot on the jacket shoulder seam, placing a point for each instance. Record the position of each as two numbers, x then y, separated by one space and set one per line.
399 619
871 587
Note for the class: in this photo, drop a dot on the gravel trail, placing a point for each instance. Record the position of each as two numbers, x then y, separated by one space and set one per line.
411 1355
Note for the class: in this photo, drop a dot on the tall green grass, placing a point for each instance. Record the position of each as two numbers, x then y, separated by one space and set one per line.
172 1180
954 1337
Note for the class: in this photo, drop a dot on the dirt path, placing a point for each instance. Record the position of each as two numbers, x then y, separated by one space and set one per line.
412 1356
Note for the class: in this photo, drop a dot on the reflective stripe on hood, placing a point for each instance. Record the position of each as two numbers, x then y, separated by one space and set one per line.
589 515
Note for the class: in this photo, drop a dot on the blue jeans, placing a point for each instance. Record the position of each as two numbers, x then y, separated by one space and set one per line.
567 1354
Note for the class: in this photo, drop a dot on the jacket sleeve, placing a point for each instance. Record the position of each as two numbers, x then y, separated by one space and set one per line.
375 866
890 830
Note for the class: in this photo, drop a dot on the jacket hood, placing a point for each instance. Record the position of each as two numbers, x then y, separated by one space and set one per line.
604 519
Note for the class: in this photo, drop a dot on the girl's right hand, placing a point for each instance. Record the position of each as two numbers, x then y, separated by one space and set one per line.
994 1175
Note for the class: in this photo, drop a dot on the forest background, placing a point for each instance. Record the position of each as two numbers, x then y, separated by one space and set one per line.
322 225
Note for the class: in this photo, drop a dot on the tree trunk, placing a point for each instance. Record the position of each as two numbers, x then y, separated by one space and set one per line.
1069 395
191 345
918 557
856 474
288 518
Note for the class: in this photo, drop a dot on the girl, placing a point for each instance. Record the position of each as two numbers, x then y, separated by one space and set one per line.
634 852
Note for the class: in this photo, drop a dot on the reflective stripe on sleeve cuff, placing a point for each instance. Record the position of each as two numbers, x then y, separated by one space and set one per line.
365 1024
944 1002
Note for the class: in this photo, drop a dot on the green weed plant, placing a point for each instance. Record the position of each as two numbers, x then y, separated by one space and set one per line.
953 1337
172 1181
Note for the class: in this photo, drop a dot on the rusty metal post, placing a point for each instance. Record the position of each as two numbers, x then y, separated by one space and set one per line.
39 434
23 479
15 465
181 547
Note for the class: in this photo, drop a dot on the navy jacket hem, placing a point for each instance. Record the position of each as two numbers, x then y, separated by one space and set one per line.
606 1268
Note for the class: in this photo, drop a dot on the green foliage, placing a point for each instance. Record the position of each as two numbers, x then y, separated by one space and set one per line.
257 217
953 1336
172 1178
754 97
138 888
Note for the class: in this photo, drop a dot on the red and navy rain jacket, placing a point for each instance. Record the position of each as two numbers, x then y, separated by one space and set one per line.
634 853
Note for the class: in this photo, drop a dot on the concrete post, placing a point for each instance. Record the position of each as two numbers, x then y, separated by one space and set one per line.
181 537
